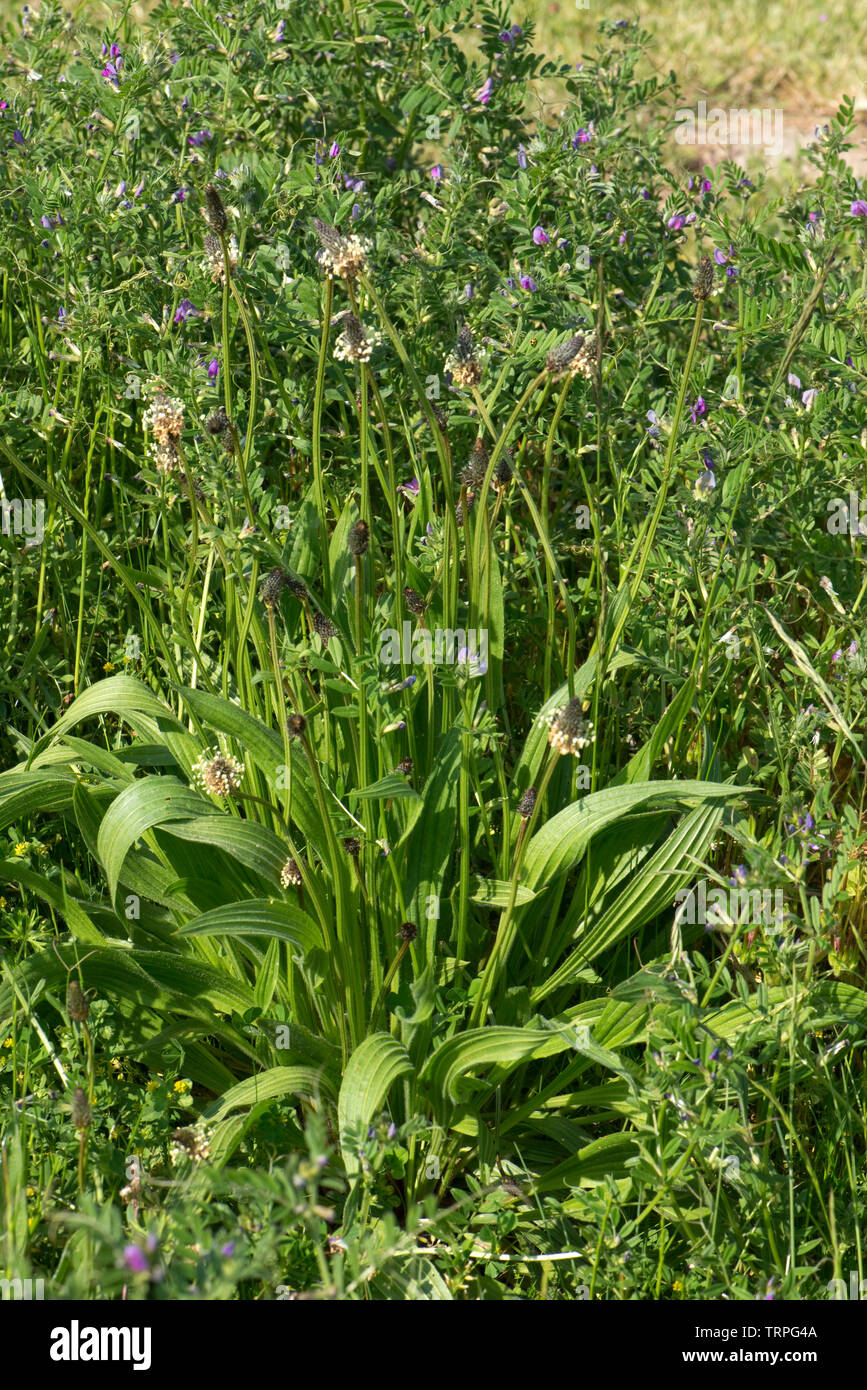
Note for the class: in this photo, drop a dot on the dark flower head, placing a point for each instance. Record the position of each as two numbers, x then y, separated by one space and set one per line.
290 875
296 725
404 767
219 422
296 588
81 1114
408 931
463 363
570 732
342 256
473 473
503 474
560 359
323 627
359 539
703 279
413 600
273 587
527 804
459 509
465 351
220 774
215 213
76 1002
352 846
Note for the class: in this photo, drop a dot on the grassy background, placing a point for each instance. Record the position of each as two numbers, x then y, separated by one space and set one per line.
803 57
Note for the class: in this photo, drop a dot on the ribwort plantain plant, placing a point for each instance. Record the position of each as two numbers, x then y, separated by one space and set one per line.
430 595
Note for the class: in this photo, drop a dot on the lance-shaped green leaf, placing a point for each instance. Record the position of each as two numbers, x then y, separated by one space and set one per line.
652 889
266 749
259 917
605 1157
370 1073
146 803
253 845
484 1047
430 841
118 696
23 793
269 1085
562 841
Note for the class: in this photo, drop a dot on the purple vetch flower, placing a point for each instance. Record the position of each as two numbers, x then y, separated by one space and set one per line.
677 222
794 380
704 484
111 73
61 314
179 195
228 1250
356 212
622 238
528 283
522 157
334 151
808 397
391 1131
436 173
858 208
213 369
645 193
135 1259
468 291
410 489
483 95
700 408
582 137
473 663
541 237
653 428
200 137
280 31
18 137
186 309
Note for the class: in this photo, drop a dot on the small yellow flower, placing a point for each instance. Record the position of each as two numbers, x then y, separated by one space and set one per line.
21 848
152 1086
2 902
182 1087
42 851
7 1042
677 1285
108 666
